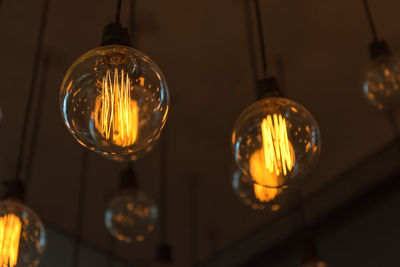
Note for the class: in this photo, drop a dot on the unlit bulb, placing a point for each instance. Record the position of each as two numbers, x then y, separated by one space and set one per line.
114 100
275 140
131 216
22 235
382 82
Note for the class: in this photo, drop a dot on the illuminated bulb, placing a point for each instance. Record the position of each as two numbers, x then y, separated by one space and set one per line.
254 195
274 141
114 100
382 82
22 235
131 216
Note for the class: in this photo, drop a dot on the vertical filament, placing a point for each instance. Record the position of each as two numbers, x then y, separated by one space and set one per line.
275 158
10 233
116 115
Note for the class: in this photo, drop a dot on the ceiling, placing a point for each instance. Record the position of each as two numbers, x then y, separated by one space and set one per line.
201 47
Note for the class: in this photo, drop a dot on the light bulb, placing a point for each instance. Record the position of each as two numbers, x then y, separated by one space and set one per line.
256 196
315 263
22 235
275 140
382 82
114 100
131 215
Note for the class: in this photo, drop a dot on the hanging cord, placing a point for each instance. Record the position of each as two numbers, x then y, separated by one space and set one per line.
193 219
250 39
83 178
36 123
261 38
370 20
28 111
163 187
118 11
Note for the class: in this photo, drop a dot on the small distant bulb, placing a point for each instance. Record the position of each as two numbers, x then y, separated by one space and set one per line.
382 82
131 216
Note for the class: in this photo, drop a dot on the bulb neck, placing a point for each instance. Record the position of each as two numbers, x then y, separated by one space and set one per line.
13 189
114 33
379 49
164 254
127 179
268 87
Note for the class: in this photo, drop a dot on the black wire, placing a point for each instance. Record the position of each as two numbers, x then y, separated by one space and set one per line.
250 39
163 187
261 37
83 178
118 12
370 20
38 53
193 219
36 124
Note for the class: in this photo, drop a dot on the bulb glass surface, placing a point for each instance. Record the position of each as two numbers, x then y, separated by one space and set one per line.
22 235
382 83
274 141
114 100
256 196
131 216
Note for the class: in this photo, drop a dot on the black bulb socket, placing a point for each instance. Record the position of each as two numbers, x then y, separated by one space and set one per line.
13 189
378 49
127 179
164 254
114 33
268 87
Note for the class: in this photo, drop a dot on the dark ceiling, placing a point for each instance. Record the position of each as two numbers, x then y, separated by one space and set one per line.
202 48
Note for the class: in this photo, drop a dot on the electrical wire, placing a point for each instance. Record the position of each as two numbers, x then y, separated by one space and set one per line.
193 219
28 111
118 12
83 179
250 39
163 187
36 124
370 20
261 38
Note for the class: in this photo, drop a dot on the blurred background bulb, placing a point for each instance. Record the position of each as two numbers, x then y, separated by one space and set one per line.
114 100
382 82
275 140
254 195
131 215
22 235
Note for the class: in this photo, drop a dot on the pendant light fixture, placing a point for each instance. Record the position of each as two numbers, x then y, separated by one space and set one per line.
114 99
22 234
382 80
275 140
131 215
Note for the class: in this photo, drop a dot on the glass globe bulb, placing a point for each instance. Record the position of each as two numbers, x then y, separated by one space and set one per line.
256 196
22 235
114 100
316 263
131 216
275 140
382 82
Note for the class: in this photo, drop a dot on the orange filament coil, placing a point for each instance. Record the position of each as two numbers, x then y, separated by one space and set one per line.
10 234
116 114
276 157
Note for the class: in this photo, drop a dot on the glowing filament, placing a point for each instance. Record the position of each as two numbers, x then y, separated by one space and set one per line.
116 115
10 234
275 158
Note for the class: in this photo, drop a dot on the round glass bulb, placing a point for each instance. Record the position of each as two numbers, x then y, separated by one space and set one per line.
131 216
382 83
114 100
22 235
275 140
256 196
316 263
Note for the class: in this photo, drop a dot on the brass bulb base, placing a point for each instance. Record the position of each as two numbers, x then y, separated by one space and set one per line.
268 87
114 33
13 189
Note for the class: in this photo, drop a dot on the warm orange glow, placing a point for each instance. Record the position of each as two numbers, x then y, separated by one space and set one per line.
276 158
116 114
10 234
